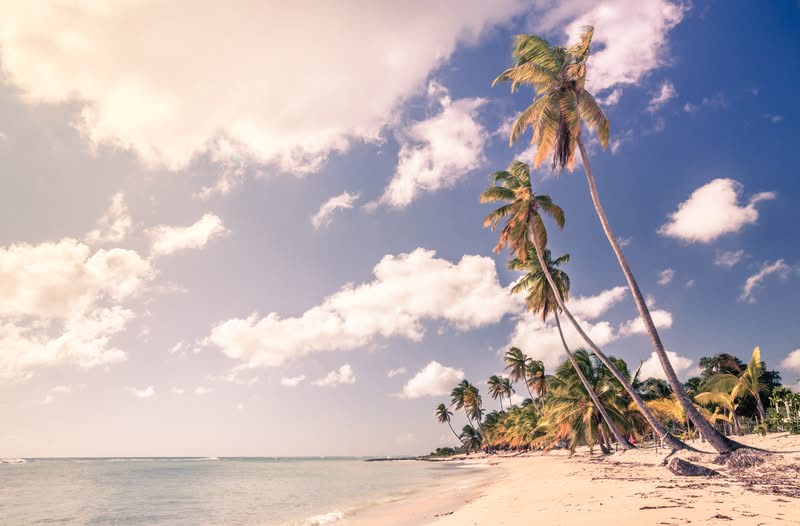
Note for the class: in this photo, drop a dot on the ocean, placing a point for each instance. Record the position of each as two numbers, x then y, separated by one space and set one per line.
209 491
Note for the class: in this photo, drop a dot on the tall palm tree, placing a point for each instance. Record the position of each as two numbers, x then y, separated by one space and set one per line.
508 389
443 415
517 367
524 231
748 383
558 77
497 389
458 398
541 300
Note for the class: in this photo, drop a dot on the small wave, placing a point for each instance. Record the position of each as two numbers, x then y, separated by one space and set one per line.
13 461
325 518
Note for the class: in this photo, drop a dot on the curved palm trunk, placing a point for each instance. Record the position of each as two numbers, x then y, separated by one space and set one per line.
717 441
528 387
623 442
501 403
760 406
666 438
454 432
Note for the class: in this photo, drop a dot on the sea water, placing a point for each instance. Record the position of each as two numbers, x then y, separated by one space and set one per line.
207 491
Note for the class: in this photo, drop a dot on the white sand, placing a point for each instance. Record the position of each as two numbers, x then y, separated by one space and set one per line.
631 488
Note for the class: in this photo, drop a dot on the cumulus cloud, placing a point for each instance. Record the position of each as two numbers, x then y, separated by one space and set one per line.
146 392
541 341
136 93
630 35
59 304
712 211
792 361
684 367
432 380
439 151
113 225
751 284
395 372
591 307
728 259
342 376
292 381
343 201
169 239
665 94
661 318
665 276
408 290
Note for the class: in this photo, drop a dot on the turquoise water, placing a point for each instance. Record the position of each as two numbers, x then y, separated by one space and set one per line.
195 492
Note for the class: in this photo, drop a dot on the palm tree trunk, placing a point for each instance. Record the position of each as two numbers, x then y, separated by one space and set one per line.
668 439
623 442
454 432
501 404
760 407
528 387
717 441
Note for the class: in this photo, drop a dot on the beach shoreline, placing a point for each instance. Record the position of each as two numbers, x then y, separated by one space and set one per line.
630 488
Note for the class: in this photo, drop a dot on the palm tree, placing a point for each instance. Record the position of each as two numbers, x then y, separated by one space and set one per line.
517 367
470 438
558 76
508 389
443 415
458 398
496 389
524 230
536 377
749 382
541 300
570 413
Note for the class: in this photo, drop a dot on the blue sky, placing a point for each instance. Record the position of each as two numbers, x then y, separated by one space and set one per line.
165 291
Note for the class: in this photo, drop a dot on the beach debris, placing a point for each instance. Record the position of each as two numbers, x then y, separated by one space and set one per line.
741 459
687 469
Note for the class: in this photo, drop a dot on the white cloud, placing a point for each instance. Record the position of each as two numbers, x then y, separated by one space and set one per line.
202 390
717 101
113 225
591 307
439 151
689 283
713 211
792 361
432 380
630 35
146 392
176 348
343 201
395 372
684 367
778 267
612 98
665 276
541 340
408 289
661 318
728 259
178 391
136 93
292 381
59 304
665 93
169 239
342 376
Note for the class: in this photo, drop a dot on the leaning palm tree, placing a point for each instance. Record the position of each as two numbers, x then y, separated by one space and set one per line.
443 415
541 300
470 438
748 383
516 365
497 389
458 398
524 231
558 77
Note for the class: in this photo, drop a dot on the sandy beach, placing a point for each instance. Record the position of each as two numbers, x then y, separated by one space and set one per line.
631 488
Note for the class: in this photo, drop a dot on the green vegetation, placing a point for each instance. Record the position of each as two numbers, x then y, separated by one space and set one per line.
566 416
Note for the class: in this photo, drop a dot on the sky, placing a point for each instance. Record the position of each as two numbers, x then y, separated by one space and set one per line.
253 228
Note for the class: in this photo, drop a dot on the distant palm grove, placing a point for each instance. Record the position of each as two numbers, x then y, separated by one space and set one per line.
592 399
